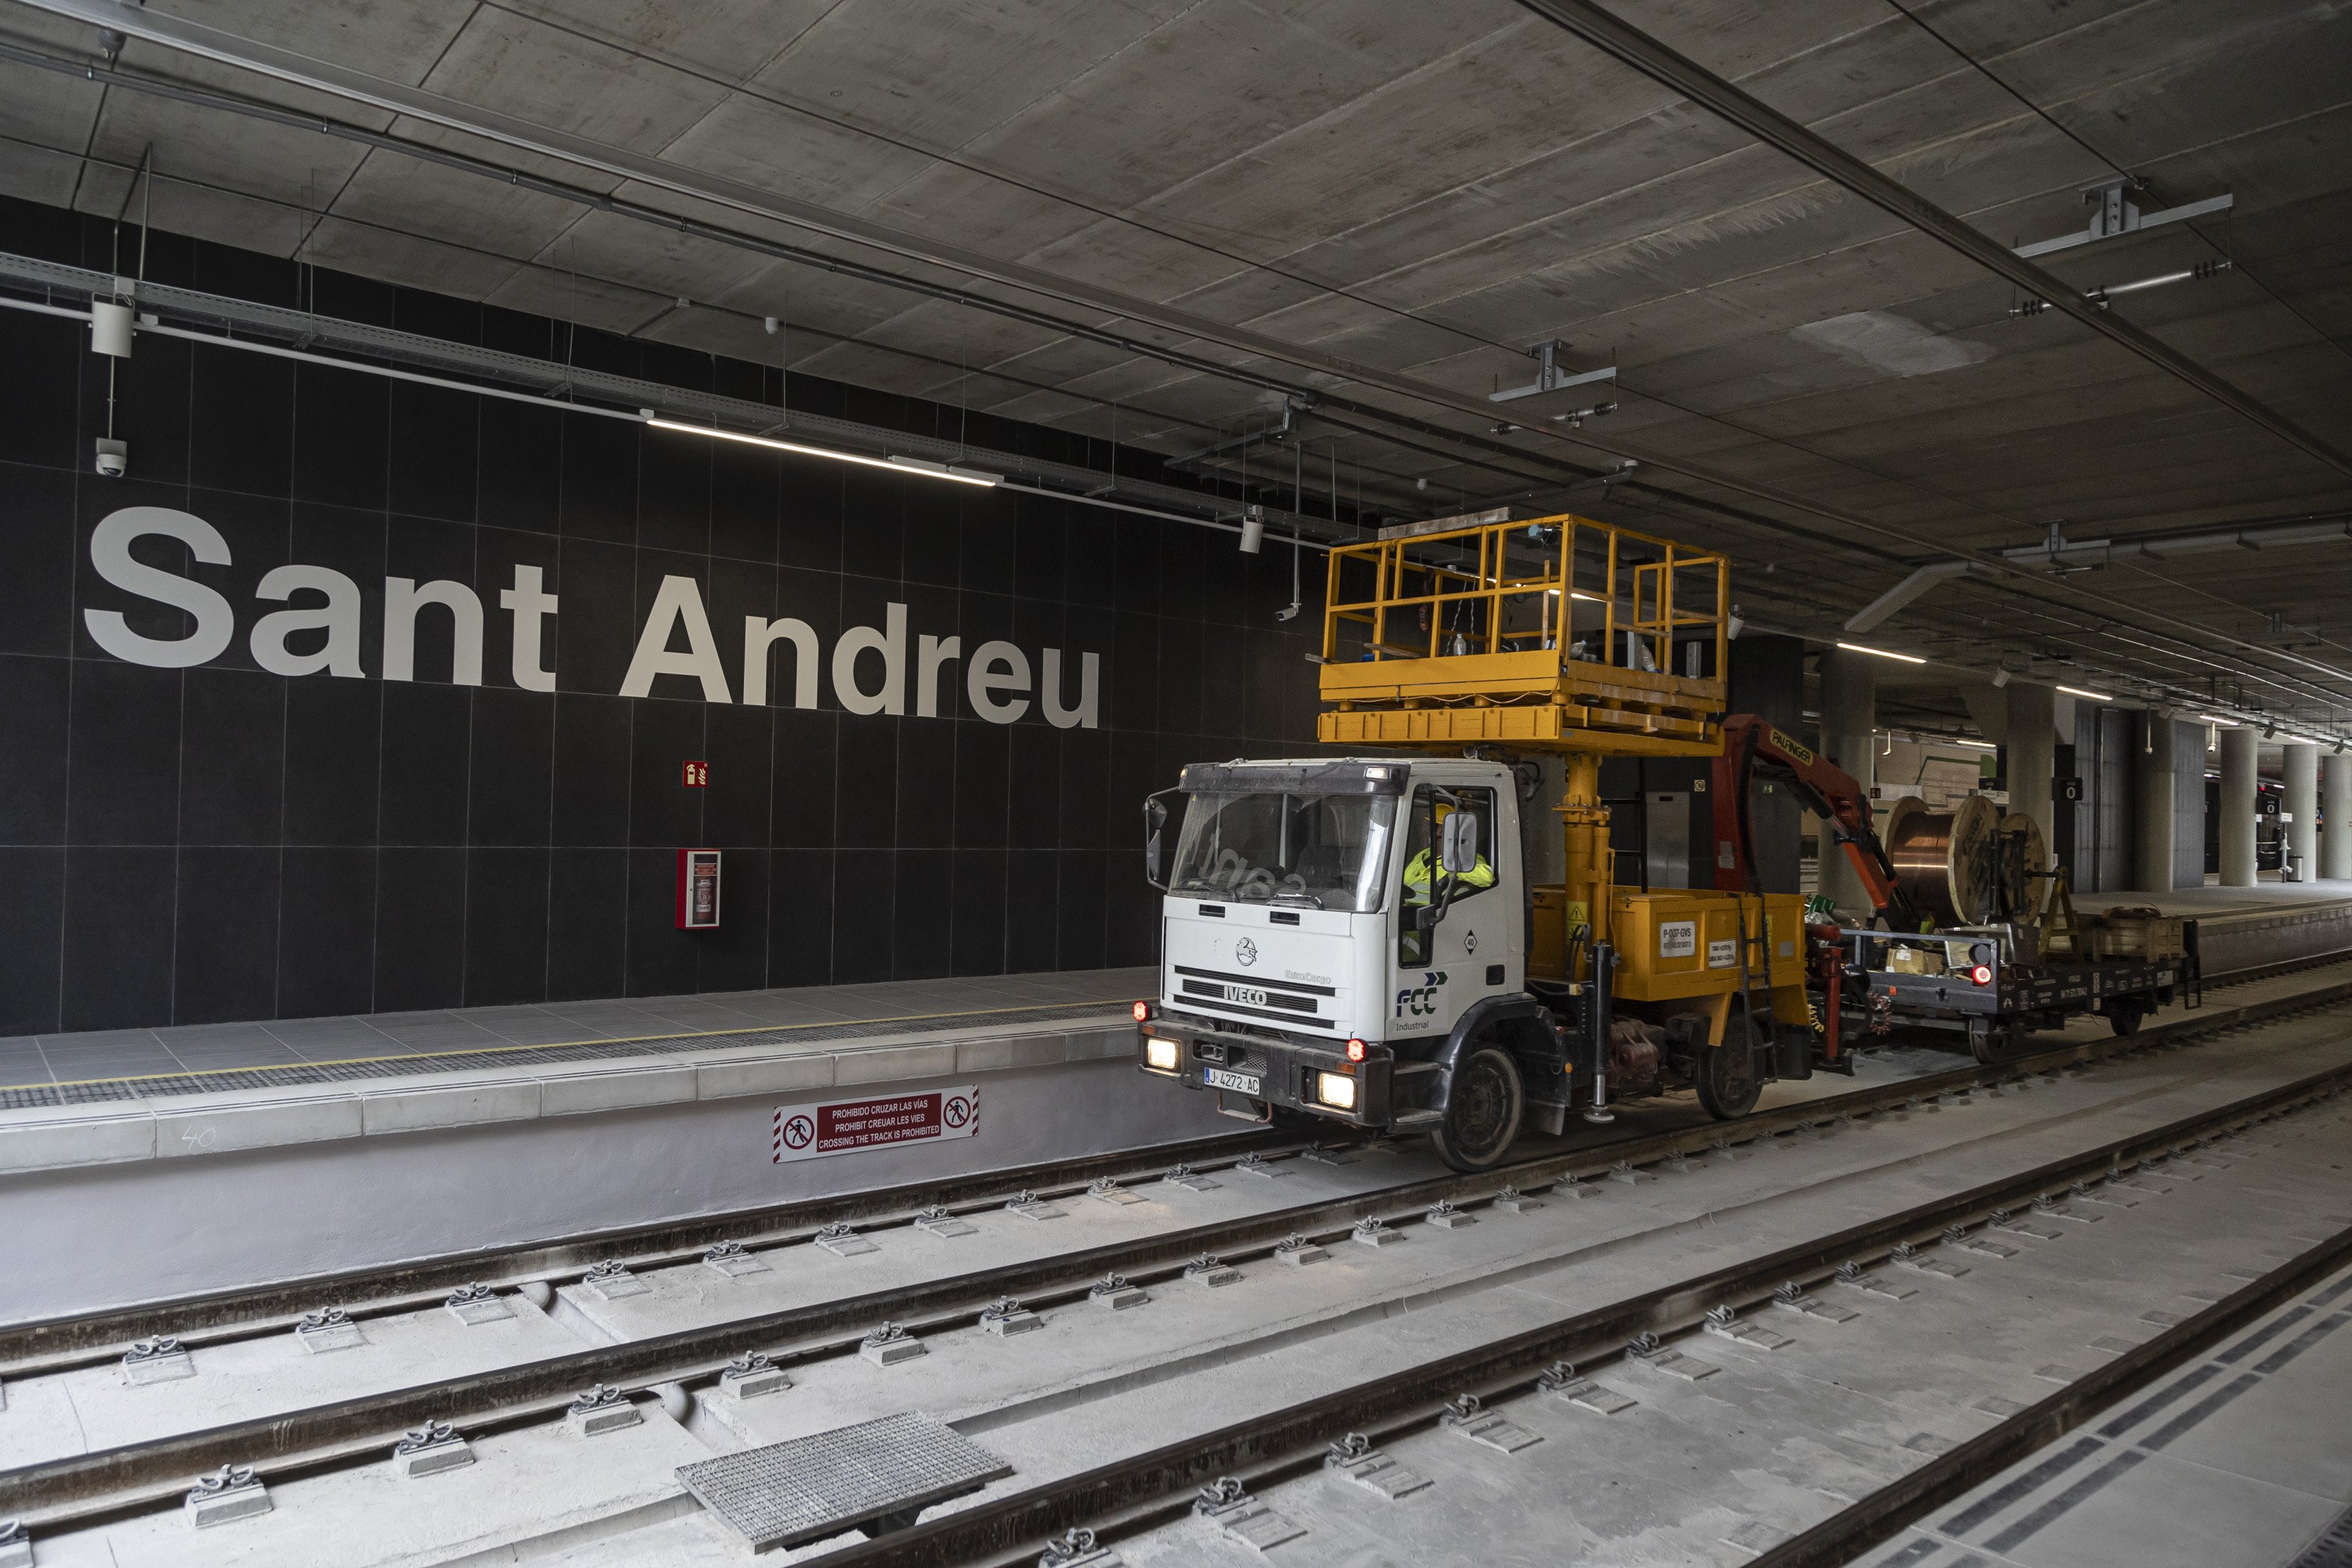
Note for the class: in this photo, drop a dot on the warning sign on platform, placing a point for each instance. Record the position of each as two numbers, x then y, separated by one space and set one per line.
845 1126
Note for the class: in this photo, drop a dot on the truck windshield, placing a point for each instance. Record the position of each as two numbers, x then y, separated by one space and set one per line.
1318 851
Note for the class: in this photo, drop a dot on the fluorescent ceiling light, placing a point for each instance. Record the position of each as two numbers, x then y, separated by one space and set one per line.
896 465
1882 653
2217 719
1972 745
1576 593
2093 696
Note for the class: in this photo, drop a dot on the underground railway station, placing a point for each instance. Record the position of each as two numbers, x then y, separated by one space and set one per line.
1346 784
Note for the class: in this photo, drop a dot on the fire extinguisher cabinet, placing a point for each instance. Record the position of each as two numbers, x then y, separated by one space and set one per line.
698 889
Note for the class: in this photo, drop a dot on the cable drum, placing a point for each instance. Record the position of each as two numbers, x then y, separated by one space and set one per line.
1945 860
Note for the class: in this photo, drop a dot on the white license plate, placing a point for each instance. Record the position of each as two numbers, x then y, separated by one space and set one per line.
1239 1082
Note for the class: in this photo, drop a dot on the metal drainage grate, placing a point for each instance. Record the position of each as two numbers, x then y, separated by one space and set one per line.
26 1097
876 1475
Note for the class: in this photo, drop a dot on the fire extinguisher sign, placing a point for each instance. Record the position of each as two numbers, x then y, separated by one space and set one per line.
847 1126
698 889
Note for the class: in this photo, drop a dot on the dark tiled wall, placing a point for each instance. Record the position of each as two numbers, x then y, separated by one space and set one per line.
219 843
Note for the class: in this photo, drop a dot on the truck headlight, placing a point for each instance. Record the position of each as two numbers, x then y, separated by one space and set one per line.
1159 1053
1336 1089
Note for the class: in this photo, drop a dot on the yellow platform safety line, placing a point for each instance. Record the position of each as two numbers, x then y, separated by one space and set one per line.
564 1045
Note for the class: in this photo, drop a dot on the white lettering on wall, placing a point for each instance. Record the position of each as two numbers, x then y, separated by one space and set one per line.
680 603
109 555
759 634
320 631
528 603
338 617
1089 681
890 642
402 599
930 654
985 681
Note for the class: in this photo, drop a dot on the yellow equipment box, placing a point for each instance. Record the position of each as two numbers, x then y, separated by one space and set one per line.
1679 944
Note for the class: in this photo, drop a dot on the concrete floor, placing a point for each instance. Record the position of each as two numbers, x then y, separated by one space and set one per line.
1710 1472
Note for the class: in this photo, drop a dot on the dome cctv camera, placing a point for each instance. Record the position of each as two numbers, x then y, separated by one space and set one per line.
113 457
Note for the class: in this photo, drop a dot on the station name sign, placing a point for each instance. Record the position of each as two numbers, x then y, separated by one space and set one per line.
889 669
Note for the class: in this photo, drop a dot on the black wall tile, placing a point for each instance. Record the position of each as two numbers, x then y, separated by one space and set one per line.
976 944
38 395
1085 882
241 425
232 758
32 915
430 461
33 709
924 914
587 925
420 929
1032 898
806 753
663 960
343 431
37 518
865 892
506 926
738 742
509 778
123 754
118 923
592 770
600 480
735 956
326 932
664 813
226 956
1034 821
674 492
866 797
333 729
800 917
519 464
427 760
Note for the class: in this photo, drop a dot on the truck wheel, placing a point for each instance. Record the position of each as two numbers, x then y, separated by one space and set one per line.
2124 1013
1727 1081
1483 1107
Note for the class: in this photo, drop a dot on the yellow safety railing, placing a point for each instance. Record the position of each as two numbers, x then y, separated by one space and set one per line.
1579 615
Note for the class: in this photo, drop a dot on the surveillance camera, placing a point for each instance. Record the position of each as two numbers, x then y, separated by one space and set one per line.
113 457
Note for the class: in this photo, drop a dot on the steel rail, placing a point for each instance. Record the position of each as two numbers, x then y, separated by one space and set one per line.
212 1318
1137 1491
90 1488
57 1344
1629 46
1953 1475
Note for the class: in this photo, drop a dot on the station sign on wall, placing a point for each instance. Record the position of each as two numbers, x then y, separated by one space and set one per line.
891 668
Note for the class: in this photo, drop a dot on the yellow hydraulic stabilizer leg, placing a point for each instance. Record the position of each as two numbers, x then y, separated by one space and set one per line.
1584 825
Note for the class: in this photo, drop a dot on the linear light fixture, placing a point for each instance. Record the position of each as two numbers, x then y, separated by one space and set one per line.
2217 719
1971 745
1578 594
924 466
2093 696
1882 653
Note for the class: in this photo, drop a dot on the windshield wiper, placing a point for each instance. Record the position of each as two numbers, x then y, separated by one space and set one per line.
1288 897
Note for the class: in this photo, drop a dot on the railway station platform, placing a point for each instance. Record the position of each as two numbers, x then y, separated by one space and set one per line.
215 1155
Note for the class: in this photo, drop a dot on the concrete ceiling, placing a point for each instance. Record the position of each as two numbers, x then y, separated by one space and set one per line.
1424 190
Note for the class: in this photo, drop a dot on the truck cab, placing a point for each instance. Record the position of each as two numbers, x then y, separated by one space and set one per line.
1335 932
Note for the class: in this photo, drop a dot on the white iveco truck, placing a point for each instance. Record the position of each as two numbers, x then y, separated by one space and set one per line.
1316 965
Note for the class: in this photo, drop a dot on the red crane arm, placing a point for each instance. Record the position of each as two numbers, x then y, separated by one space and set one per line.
1752 748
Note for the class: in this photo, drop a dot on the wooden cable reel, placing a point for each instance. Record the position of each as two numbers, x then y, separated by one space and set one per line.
2029 882
1946 863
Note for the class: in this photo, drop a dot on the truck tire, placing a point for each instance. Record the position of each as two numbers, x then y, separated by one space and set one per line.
1484 1103
2124 1013
1993 1042
1727 1081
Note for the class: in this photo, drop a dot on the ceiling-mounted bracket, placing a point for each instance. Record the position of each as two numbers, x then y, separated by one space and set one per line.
2115 213
1550 375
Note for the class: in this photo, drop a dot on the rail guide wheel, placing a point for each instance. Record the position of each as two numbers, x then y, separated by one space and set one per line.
1727 1081
1992 1041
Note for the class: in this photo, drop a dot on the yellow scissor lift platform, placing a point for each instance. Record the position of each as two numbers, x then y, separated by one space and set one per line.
1563 636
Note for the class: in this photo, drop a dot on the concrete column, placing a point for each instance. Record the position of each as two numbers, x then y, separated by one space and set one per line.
2154 780
1849 702
2299 771
2237 807
2033 736
2336 843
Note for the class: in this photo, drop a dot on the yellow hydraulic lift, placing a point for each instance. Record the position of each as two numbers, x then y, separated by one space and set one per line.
1569 638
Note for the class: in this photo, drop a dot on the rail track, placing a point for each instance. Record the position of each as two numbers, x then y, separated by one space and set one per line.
85 1489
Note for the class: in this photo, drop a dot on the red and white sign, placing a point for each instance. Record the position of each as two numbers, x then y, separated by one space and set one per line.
845 1126
698 889
698 775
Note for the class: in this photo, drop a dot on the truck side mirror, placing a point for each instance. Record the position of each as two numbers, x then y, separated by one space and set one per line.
1155 819
1458 844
